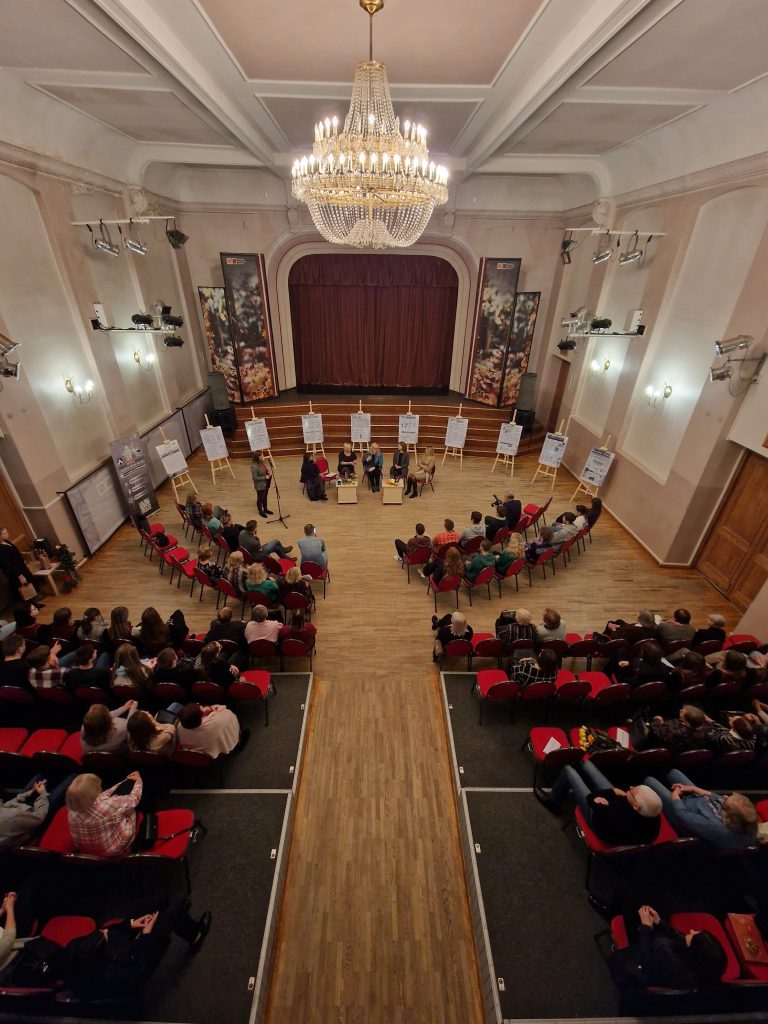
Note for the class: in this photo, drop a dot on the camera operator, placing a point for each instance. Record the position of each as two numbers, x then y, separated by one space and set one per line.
509 508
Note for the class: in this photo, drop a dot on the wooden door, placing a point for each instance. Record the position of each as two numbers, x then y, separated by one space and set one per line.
557 399
734 556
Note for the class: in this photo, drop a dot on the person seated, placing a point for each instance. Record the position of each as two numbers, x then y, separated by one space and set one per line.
103 823
551 626
691 669
580 520
312 478
294 583
45 671
648 667
258 581
85 671
425 470
106 731
419 540
63 628
512 626
129 670
474 530
8 931
14 670
249 542
91 628
565 531
230 531
727 822
193 509
540 669
210 520
261 627
733 664
212 730
347 460
677 628
235 573
226 627
538 547
658 956
595 511
714 630
373 466
451 627
510 508
152 634
298 628
482 559
119 631
738 734
213 667
400 462
206 564
632 632
115 961
452 565
673 734
447 535
616 816
29 810
312 547
511 552
148 736
170 668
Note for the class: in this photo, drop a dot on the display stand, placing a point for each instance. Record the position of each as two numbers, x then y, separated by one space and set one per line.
455 451
179 480
411 447
360 446
218 465
267 452
503 457
588 489
550 472
317 446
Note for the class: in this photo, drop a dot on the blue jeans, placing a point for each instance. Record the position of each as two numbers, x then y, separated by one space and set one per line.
273 547
68 660
569 780
55 795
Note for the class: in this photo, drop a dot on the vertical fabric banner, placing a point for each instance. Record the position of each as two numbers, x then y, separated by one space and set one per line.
519 345
129 455
493 323
213 303
250 330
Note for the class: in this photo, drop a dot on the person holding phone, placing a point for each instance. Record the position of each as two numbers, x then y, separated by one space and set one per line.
312 547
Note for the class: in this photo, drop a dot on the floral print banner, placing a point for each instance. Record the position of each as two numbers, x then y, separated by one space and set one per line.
493 323
245 283
519 346
213 302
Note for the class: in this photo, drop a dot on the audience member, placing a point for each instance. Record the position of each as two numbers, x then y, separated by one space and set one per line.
312 547
230 532
347 460
565 531
425 470
511 509
226 627
580 520
210 520
647 667
249 542
400 462
261 475
91 627
312 479
540 669
512 626
12 565
21 816
538 547
452 565
450 627
482 559
511 552
235 573
148 736
677 628
8 930
618 629
194 510
214 667
738 734
106 731
373 466
45 672
14 670
128 669
62 626
551 627
294 583
85 671
419 540
595 511
259 582
672 734
447 535
207 565
298 629
714 630
212 730
119 630
170 668
261 627
25 614
727 822
103 823
152 635
474 530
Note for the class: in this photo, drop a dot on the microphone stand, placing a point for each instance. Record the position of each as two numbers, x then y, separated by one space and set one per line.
280 518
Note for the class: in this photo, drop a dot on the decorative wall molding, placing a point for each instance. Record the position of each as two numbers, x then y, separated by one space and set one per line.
40 163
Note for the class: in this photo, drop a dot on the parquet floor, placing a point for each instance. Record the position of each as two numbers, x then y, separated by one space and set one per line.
375 923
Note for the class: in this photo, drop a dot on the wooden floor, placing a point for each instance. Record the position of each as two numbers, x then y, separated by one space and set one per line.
375 923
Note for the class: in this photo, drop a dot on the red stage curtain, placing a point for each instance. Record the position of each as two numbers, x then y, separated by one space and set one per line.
373 321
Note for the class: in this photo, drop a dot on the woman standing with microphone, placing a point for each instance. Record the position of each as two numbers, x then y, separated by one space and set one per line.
262 478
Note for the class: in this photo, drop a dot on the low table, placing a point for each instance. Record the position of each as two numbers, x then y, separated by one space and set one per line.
346 492
392 493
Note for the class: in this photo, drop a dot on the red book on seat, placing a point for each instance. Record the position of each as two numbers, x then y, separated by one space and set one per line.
750 941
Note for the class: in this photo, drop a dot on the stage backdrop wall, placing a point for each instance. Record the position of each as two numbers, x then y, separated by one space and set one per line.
373 321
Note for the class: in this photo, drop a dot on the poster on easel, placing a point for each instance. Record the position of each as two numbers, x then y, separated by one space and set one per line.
509 438
456 431
596 468
130 458
172 458
360 427
552 450
312 428
408 428
258 435
214 443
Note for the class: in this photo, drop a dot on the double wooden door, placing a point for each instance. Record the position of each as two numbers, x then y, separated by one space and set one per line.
735 555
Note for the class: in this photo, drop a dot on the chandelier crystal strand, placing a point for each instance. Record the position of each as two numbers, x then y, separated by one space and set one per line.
371 185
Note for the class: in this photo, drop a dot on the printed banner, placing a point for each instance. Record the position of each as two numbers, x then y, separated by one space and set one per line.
258 435
360 427
552 450
493 323
598 463
129 455
213 303
312 428
408 428
519 346
172 458
214 443
245 283
509 438
456 432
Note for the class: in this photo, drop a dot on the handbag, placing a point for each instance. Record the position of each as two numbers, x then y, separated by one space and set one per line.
146 833
27 591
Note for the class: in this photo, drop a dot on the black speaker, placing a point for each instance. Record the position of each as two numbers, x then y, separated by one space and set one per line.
525 394
524 418
218 386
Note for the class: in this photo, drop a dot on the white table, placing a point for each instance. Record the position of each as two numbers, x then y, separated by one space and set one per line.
392 494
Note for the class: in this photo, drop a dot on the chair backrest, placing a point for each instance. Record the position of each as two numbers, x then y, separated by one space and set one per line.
560 647
484 576
272 565
206 532
55 695
615 694
743 642
256 597
293 601
98 761
472 546
93 695
538 691
504 690
292 648
193 645
16 695
313 569
523 523
202 577
442 549
169 691
489 648
501 536
612 648
225 587
448 583
192 758
223 544
514 567
208 691
708 647
457 648
653 691
263 648
322 464
419 556
247 556
689 758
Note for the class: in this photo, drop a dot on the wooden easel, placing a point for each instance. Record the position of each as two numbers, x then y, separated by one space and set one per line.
589 489
218 465
502 457
411 447
452 450
265 451
550 472
181 479
313 449
360 446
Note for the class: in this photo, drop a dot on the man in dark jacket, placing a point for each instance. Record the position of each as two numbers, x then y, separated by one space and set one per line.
510 508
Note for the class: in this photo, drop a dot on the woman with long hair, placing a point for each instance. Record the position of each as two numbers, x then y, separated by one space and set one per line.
104 730
424 471
298 629
452 565
258 580
451 627
92 627
213 668
595 511
129 669
210 520
119 631
400 462
235 573
152 635
146 735
294 583
261 475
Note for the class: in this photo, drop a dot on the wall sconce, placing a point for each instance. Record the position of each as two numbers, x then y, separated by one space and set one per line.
599 369
145 363
657 396
83 394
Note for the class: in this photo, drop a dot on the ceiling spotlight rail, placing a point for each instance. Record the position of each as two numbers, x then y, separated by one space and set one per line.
102 241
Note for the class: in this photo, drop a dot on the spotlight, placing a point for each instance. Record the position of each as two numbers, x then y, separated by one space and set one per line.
724 372
172 321
104 243
134 245
567 345
632 254
601 255
732 344
173 341
601 323
142 320
9 369
567 246
7 346
175 237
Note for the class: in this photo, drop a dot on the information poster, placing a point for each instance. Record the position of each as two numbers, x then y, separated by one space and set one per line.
258 435
130 458
598 463
408 428
172 458
360 427
552 450
509 438
456 432
312 428
214 443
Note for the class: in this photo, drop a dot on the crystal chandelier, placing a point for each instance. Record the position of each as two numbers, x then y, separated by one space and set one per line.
370 185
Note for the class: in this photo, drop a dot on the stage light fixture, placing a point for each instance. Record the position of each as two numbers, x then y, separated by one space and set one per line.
172 321
9 369
601 255
724 372
134 245
567 246
601 323
633 253
142 320
104 242
175 237
741 341
7 346
173 341
567 346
